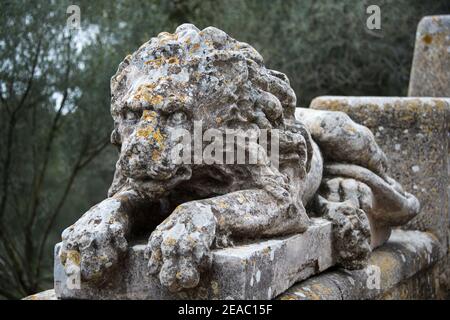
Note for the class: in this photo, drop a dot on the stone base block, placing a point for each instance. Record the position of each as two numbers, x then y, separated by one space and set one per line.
403 268
260 270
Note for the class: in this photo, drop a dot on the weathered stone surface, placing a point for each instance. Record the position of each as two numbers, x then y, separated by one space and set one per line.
355 176
430 77
407 269
254 271
413 133
430 72
401 264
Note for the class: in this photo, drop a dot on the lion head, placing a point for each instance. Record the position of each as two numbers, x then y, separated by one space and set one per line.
176 79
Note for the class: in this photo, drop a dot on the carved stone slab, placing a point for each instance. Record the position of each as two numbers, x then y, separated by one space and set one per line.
240 272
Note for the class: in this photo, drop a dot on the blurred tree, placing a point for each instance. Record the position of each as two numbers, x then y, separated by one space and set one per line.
324 47
55 161
47 137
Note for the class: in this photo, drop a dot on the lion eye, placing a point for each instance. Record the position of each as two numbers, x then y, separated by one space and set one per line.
178 117
131 115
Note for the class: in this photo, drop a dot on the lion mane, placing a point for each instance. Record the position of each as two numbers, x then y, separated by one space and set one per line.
213 74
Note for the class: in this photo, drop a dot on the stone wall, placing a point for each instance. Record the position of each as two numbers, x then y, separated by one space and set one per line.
413 133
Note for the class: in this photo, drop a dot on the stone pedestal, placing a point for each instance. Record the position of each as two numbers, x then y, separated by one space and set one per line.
260 270
430 72
403 268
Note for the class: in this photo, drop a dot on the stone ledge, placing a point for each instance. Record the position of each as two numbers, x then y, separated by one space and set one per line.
241 272
406 254
406 260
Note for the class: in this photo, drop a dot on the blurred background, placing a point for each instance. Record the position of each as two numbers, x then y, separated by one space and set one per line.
55 157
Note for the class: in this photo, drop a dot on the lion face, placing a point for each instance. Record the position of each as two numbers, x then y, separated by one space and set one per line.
177 80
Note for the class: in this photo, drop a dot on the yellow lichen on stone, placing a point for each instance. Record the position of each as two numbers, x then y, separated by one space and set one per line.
387 263
321 289
156 154
74 257
223 205
63 258
221 221
427 38
173 60
144 92
288 297
149 115
154 100
156 255
350 129
167 36
145 132
155 62
170 241
195 47
215 288
158 137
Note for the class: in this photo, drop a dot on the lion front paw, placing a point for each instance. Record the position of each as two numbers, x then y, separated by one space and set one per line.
351 233
95 242
179 248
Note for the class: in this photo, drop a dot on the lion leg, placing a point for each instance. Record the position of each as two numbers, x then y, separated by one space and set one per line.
179 248
357 200
341 139
95 243
346 202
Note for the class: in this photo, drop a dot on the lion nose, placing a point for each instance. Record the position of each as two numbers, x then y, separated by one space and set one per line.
141 160
132 162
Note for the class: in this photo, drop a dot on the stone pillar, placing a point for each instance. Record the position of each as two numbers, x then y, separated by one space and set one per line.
430 75
430 72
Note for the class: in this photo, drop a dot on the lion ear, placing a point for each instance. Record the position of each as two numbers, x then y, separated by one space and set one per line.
124 63
115 138
279 75
309 146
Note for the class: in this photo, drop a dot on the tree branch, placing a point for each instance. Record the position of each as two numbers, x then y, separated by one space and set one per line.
80 163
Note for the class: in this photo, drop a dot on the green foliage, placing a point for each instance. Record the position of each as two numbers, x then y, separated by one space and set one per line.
55 161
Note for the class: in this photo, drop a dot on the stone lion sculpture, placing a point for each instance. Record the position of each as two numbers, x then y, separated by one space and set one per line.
327 163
